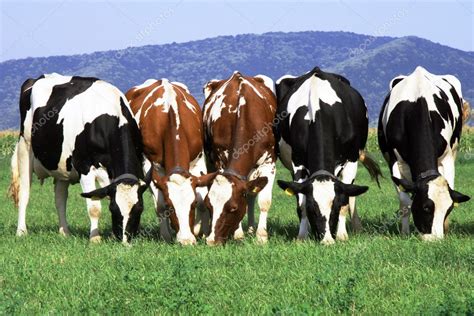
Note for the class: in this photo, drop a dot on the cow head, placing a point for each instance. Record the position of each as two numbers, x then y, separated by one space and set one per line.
325 197
126 203
227 201
433 200
179 192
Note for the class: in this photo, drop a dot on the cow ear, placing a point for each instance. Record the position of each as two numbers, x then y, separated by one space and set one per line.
98 194
205 179
352 189
291 188
458 197
404 185
257 185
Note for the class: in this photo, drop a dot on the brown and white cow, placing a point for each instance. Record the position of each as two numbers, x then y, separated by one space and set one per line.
240 145
170 122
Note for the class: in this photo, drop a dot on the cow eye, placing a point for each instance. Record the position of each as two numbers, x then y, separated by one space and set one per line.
244 194
233 209
426 209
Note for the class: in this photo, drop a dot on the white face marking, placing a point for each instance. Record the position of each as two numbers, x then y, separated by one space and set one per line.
182 196
323 194
219 194
438 192
312 92
126 197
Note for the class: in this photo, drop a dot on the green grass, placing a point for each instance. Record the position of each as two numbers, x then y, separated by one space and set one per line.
375 272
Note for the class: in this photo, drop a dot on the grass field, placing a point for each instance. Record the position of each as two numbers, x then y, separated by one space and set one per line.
375 272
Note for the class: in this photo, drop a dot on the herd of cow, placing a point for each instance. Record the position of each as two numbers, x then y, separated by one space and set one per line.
207 168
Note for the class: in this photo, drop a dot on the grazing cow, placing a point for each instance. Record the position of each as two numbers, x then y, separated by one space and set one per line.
240 145
419 130
78 129
321 137
170 121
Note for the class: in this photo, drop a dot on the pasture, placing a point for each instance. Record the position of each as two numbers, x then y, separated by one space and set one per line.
375 272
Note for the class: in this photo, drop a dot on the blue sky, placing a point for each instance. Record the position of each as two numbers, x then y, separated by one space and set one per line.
45 28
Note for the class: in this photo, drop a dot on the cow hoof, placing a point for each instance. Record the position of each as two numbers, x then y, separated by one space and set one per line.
356 227
197 229
95 239
239 235
327 242
21 232
251 230
430 237
212 242
262 236
342 237
64 232
301 238
187 241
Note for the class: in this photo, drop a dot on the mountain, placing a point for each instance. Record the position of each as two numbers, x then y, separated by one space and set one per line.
368 62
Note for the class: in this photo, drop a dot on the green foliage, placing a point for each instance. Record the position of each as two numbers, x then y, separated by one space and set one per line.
7 144
375 272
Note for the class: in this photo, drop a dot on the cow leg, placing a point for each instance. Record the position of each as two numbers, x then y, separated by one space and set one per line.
203 219
405 210
251 214
203 216
93 207
303 232
348 176
265 201
239 233
448 171
163 215
24 168
60 196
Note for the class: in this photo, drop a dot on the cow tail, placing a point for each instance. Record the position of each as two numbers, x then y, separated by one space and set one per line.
371 165
466 112
14 188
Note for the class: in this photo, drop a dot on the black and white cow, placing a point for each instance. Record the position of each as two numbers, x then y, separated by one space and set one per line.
419 130
78 129
321 132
